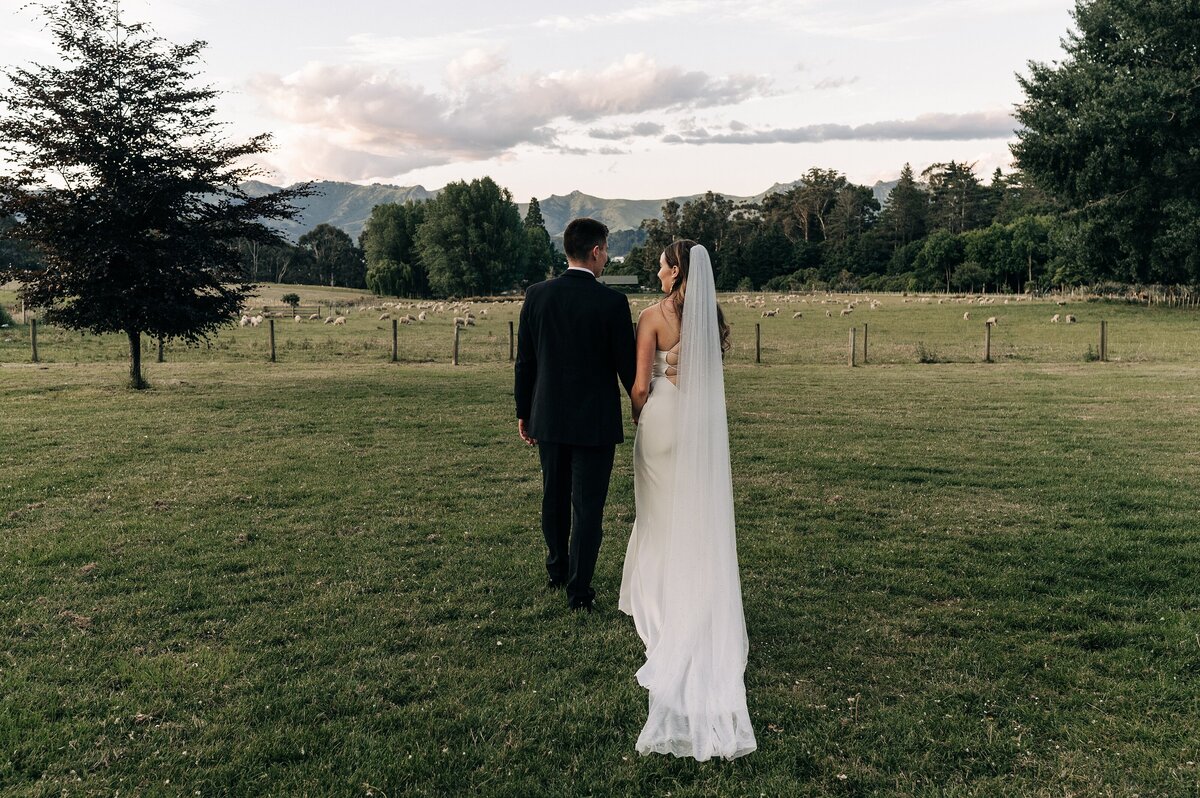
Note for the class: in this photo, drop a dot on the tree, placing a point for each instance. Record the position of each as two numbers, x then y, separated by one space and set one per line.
337 259
290 299
1111 131
15 255
543 257
905 212
473 241
1030 242
389 245
957 201
124 187
940 254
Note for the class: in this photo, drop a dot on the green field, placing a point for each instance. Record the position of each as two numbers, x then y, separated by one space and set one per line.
899 331
323 576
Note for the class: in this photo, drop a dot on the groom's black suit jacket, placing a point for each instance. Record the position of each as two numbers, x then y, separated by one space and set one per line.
575 342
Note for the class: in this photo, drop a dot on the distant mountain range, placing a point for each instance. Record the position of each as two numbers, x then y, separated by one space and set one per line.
348 205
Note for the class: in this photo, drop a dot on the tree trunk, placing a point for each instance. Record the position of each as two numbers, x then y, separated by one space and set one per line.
135 360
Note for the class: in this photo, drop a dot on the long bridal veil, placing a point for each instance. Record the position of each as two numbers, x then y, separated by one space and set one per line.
695 670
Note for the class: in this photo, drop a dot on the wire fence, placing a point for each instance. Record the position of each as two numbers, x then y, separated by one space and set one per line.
766 330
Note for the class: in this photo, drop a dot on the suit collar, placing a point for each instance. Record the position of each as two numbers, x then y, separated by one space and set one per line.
578 273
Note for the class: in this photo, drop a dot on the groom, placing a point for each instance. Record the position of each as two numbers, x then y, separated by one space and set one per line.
575 342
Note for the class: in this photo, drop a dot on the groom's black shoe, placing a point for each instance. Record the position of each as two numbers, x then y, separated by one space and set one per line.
556 584
587 606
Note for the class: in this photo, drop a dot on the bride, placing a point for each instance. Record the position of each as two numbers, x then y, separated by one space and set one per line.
680 580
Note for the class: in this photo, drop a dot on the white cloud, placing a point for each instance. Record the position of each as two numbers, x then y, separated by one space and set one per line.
928 127
473 65
630 131
378 123
825 84
664 10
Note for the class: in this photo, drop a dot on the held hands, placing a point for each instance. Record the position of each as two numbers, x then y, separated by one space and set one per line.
524 433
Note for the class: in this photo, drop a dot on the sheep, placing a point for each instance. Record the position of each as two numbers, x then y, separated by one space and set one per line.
329 319
797 315
1071 319
340 320
991 321
383 316
770 313
829 314
483 313
405 320
421 316
245 322
847 311
1054 319
298 319
255 321
314 317
470 321
459 321
967 316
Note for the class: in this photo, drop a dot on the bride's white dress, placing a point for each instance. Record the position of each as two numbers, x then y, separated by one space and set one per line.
653 477
680 580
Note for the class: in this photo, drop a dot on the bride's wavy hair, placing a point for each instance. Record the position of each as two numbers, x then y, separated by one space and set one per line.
678 254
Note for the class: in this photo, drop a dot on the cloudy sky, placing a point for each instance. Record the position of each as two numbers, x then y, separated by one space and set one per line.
616 98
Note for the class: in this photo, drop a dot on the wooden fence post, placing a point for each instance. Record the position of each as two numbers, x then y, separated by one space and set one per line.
864 343
758 343
987 342
395 340
33 338
161 359
271 325
853 345
23 319
454 359
512 342
1103 341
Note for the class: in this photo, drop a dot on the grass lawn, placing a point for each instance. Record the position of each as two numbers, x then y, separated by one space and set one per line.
898 332
323 577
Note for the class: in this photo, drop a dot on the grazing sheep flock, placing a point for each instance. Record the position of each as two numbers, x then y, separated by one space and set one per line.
742 309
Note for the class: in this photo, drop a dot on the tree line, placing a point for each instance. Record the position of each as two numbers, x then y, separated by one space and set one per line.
943 231
469 240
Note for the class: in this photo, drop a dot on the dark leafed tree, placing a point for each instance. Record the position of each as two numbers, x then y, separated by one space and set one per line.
389 244
905 211
1111 130
706 221
957 200
816 197
124 186
338 261
472 240
543 257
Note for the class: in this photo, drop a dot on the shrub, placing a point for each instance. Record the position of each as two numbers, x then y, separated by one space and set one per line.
5 319
291 299
926 355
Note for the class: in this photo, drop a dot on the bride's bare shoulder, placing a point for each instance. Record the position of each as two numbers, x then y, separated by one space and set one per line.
651 313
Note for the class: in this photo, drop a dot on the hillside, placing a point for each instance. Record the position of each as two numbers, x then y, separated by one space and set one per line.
348 205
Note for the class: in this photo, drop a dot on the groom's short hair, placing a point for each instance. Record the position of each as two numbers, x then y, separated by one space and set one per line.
582 236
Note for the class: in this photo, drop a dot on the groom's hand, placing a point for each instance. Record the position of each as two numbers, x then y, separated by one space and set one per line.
525 436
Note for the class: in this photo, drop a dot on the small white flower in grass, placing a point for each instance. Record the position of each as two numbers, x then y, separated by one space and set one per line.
499 642
842 777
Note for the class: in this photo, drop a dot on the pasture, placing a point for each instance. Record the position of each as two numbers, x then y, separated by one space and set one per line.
901 330
323 576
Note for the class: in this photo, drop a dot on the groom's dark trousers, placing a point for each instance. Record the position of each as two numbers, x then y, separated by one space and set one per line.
574 487
575 349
